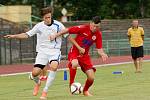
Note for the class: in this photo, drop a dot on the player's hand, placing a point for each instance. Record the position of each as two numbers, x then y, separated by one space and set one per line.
9 36
52 37
82 51
104 57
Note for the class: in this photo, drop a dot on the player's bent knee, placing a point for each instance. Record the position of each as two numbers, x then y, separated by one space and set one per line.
36 71
54 65
75 63
35 74
74 67
53 68
91 78
90 74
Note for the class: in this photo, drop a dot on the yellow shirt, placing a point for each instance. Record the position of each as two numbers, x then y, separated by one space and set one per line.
135 35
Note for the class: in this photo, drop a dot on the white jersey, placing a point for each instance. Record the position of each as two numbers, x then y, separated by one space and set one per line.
43 31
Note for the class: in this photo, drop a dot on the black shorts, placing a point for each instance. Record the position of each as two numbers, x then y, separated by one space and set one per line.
137 52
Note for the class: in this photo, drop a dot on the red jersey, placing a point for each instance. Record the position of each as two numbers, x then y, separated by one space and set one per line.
85 38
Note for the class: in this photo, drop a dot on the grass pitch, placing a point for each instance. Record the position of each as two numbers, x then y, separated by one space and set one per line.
107 86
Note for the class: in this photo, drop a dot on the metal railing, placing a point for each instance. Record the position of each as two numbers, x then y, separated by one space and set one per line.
115 43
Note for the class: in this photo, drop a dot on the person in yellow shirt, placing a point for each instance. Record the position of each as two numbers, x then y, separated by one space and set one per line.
136 39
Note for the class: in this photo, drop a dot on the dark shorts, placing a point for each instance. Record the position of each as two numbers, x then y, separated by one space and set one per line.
137 52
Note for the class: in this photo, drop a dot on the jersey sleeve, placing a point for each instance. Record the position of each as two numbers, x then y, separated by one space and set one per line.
74 30
99 40
33 31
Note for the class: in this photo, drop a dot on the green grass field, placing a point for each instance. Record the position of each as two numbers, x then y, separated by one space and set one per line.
107 86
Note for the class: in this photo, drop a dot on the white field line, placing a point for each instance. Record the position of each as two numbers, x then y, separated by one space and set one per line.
112 64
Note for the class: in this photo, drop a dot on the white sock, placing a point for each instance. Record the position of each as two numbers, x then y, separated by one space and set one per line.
35 79
49 81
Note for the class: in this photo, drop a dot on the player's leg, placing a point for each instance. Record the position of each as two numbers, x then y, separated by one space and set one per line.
89 82
72 69
73 64
40 63
51 75
140 55
53 63
50 79
136 64
35 76
140 64
134 57
89 70
36 72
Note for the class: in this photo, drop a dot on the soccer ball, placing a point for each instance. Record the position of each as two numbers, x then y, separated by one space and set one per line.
76 88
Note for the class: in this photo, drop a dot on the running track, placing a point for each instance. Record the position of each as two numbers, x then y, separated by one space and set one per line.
20 68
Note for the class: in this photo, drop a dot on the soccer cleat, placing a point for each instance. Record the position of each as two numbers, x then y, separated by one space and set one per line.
44 96
86 93
43 78
36 89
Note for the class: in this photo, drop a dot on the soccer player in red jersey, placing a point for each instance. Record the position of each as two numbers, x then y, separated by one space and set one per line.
86 35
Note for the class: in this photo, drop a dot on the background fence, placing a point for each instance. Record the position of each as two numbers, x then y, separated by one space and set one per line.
115 41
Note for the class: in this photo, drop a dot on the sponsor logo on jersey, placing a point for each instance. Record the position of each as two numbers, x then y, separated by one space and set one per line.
94 37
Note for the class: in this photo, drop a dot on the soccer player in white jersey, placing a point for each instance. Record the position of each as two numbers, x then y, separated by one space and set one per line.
48 51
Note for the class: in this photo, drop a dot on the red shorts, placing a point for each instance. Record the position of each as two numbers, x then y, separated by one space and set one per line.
84 61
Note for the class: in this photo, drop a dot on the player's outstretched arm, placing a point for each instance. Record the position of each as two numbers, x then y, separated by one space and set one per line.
52 37
73 41
17 36
102 54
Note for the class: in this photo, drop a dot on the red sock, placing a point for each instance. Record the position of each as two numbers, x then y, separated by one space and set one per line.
72 74
88 84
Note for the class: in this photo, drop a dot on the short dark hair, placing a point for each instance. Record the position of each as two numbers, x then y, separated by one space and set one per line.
96 19
46 10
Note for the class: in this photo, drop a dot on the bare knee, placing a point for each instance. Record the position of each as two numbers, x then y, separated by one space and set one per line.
91 77
36 71
90 74
75 63
54 65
